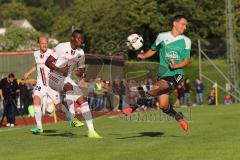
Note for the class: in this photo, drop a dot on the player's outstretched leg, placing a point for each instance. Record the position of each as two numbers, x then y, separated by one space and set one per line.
168 109
159 88
85 110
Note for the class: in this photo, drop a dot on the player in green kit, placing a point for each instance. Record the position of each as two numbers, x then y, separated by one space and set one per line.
174 52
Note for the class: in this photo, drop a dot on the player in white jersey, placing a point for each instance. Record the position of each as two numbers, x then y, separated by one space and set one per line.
66 56
43 96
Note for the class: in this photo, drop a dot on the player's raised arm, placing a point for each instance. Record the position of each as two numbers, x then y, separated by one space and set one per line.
154 48
50 63
148 54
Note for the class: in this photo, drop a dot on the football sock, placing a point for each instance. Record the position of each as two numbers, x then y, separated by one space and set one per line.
70 104
87 116
172 113
38 115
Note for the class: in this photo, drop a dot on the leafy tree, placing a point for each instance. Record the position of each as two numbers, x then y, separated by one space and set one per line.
41 19
18 39
13 11
106 21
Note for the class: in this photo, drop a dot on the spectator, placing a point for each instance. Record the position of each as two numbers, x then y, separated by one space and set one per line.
1 106
187 90
142 100
116 90
124 89
8 89
91 94
25 95
199 91
147 88
98 90
180 95
132 97
227 100
106 96
212 97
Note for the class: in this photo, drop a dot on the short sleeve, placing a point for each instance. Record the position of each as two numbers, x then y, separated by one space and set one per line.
187 48
49 52
156 45
56 51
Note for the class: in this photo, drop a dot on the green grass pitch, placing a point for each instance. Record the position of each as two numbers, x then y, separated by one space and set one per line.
214 135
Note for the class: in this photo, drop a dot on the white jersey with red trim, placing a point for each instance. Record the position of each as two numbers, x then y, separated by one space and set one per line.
42 69
65 55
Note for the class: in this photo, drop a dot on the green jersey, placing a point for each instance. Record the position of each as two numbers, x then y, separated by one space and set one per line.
169 47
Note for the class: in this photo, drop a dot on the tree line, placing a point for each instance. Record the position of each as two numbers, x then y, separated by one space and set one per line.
105 21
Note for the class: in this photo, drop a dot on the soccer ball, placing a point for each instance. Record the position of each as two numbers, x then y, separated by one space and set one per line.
134 41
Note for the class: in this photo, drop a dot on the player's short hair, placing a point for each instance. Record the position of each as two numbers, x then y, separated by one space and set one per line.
11 75
38 39
177 18
75 32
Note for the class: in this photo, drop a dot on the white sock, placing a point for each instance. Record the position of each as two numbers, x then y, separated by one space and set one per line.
70 102
87 115
38 115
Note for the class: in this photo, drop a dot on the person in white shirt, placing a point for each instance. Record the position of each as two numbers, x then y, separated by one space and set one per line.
44 97
66 56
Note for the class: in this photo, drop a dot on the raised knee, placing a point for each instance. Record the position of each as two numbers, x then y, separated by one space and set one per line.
82 99
67 87
159 88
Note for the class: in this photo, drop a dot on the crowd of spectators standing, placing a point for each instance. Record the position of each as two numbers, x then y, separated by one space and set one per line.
104 95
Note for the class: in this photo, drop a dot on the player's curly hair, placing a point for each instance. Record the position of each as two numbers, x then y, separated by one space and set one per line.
75 32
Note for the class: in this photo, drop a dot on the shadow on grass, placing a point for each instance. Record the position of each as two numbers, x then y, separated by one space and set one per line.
50 131
145 134
64 134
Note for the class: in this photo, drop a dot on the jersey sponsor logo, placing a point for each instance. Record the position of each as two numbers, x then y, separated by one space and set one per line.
172 55
55 79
